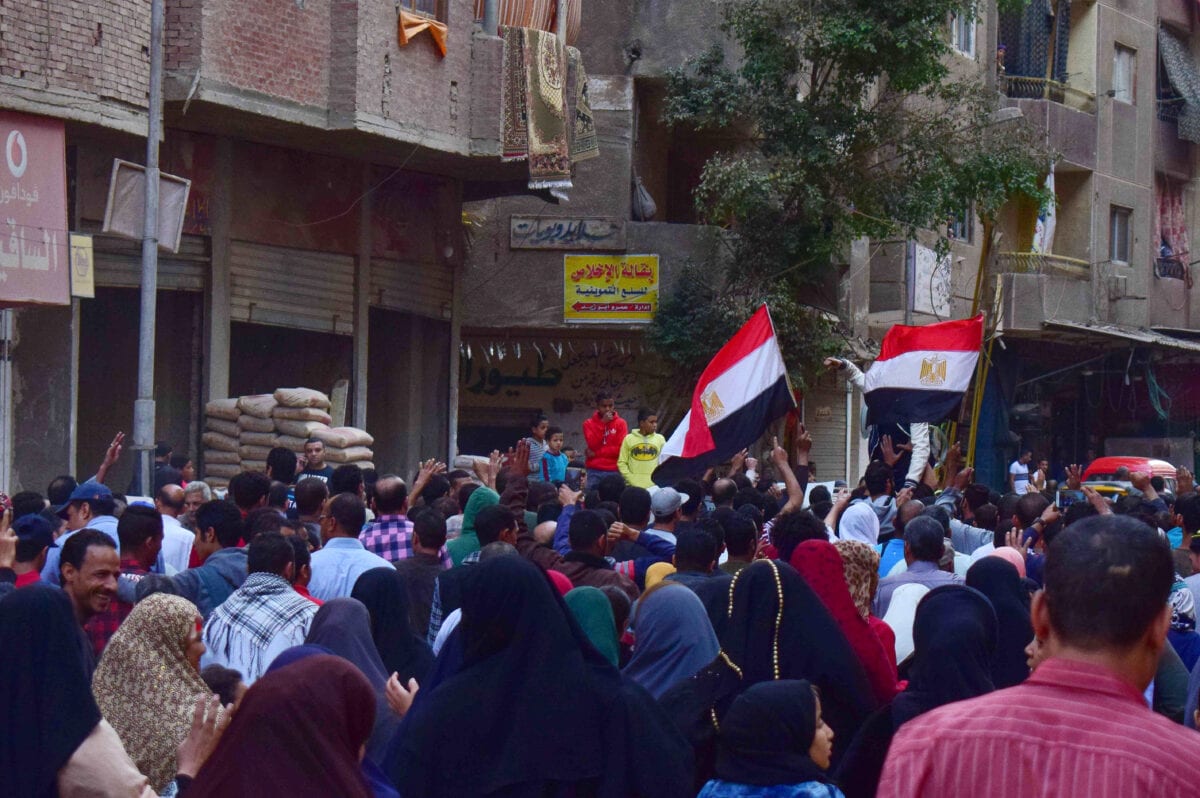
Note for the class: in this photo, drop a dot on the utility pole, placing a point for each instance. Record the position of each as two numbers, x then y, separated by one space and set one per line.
143 407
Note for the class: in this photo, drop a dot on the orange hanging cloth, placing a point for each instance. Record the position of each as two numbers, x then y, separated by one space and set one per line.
410 25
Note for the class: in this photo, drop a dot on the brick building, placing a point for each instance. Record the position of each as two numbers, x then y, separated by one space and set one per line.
322 238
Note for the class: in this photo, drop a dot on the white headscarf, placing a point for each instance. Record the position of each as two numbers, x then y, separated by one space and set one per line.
859 522
901 612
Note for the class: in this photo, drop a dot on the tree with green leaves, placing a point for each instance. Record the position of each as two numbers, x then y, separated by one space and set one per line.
849 123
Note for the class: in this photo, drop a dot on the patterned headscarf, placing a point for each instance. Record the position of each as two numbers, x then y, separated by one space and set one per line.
145 686
861 565
1183 607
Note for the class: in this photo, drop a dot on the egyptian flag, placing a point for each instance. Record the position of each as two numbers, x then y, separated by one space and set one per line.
742 390
922 372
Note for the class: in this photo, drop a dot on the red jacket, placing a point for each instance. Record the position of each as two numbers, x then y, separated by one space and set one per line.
605 441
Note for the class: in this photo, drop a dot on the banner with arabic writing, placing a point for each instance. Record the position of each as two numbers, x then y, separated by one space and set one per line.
610 288
33 211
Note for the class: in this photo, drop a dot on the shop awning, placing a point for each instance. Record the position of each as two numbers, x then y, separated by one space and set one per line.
1120 333
1185 79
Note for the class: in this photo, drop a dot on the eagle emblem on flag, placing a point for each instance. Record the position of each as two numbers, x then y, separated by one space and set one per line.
712 405
933 370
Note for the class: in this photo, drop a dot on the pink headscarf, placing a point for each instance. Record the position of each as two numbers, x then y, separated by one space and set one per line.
1013 556
564 586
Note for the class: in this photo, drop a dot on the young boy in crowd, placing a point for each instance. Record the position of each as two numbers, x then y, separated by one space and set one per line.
554 461
641 450
537 444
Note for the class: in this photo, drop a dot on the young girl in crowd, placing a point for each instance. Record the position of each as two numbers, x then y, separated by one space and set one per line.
774 744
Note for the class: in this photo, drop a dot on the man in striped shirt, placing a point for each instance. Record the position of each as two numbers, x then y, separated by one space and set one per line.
1079 725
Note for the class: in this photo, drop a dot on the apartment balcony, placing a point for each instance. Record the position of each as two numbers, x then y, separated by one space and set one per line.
1066 114
1043 263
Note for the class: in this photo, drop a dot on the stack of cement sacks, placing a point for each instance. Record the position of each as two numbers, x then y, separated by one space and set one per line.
240 432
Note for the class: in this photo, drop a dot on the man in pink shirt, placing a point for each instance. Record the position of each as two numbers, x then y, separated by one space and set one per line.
1079 725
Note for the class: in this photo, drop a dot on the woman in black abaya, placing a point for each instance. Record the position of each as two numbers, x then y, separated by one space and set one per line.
777 628
533 709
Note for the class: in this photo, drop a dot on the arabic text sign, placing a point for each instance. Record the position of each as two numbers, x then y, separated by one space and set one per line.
610 288
33 211
592 232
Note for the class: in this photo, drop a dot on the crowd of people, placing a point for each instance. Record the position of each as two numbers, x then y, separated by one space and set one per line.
533 628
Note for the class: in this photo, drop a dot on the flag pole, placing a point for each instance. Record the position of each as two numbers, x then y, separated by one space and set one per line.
988 230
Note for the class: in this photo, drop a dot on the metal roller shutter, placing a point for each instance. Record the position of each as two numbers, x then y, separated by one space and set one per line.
423 289
119 263
291 288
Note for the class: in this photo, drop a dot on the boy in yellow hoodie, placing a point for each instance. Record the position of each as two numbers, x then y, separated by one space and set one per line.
640 450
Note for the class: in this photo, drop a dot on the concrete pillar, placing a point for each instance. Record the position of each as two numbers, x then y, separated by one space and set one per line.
417 384
362 302
216 300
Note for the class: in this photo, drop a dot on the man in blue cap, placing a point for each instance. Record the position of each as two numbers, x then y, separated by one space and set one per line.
35 538
90 506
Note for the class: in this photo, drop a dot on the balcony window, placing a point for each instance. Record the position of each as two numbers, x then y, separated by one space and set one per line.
1179 85
1118 234
1035 42
1170 229
961 226
1124 74
962 33
427 8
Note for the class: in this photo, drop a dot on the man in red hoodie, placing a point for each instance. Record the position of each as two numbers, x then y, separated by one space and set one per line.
603 432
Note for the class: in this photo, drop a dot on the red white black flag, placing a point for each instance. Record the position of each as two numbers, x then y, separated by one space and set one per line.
740 393
922 372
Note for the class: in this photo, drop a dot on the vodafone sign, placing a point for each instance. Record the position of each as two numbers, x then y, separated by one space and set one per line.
34 240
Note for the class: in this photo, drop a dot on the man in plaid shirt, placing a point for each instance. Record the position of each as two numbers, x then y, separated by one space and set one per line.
390 535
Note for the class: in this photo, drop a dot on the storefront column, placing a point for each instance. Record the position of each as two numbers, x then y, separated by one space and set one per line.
362 302
216 310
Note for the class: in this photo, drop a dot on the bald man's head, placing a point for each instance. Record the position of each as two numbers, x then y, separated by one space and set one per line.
907 512
390 495
169 500
543 533
723 491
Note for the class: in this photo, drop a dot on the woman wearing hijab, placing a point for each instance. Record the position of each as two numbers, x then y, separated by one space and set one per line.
593 613
999 580
777 629
299 731
383 593
147 682
530 708
954 639
673 638
468 541
821 566
902 611
1010 555
343 626
859 522
54 741
860 563
774 744
381 786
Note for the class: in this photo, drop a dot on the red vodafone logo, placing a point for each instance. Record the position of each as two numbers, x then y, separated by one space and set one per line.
16 153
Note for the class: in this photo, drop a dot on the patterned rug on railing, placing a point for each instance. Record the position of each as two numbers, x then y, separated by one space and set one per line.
546 115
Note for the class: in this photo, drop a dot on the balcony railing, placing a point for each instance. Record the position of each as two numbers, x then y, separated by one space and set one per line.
1021 87
1169 108
1172 268
1042 263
